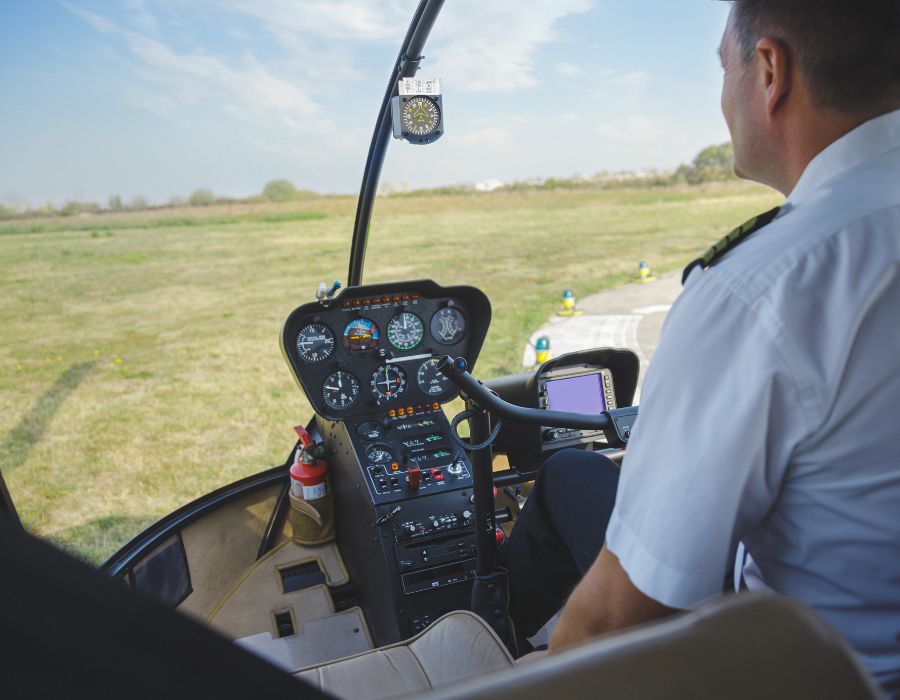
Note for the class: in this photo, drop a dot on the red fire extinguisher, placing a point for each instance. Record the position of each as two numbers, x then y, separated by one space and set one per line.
309 471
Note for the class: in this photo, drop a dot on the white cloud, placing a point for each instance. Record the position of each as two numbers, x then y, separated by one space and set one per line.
333 19
169 81
490 46
482 45
635 129
494 138
97 22
568 69
144 19
624 85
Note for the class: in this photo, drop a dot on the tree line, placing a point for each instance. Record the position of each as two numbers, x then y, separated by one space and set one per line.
712 164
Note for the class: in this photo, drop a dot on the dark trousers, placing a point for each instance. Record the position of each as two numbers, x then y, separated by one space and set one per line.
558 535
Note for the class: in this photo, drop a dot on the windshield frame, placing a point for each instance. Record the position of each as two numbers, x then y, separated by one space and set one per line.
406 66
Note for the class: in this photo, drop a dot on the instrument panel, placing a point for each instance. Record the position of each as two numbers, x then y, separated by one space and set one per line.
376 347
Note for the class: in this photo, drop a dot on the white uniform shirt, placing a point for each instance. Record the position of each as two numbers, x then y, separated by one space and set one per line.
771 412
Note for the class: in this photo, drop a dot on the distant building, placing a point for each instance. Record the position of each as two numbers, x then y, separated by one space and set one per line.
488 185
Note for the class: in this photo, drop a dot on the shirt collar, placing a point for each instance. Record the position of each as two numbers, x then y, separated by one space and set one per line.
866 142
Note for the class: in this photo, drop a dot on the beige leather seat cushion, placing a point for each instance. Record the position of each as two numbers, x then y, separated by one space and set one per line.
457 646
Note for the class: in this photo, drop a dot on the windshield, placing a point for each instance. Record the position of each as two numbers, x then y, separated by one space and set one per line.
177 178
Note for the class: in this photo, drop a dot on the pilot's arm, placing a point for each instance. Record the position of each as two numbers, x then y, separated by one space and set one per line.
604 601
708 455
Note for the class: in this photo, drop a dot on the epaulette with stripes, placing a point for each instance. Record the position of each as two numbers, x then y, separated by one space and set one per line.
729 242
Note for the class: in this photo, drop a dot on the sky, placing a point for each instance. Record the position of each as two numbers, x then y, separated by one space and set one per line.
156 98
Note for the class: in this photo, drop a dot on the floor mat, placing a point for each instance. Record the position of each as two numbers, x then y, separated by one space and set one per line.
334 637
250 607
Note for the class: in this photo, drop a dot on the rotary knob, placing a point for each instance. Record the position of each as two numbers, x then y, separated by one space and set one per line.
467 514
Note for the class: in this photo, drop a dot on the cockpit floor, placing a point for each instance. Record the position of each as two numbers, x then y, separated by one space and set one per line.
326 639
251 611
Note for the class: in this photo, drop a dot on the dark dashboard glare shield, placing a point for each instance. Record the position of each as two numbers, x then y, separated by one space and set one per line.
582 394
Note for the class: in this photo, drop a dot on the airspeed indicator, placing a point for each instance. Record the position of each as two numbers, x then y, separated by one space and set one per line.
315 342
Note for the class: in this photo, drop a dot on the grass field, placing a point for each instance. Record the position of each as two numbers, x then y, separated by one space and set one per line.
141 366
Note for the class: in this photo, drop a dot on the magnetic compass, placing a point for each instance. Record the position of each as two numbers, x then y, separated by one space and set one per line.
419 115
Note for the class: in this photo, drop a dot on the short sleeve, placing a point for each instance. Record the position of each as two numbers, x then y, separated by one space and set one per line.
719 418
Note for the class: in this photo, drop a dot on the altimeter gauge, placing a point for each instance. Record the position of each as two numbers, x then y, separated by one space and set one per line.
340 390
315 342
405 331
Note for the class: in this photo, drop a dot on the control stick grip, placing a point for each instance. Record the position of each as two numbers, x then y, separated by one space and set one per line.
455 371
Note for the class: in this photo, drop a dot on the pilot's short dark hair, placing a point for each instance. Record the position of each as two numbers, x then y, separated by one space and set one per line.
848 50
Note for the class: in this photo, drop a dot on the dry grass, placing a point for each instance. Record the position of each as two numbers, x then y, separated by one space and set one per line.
141 365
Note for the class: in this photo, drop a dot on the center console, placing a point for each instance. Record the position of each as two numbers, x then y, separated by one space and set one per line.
402 485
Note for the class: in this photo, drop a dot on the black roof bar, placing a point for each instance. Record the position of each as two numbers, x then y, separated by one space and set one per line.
407 64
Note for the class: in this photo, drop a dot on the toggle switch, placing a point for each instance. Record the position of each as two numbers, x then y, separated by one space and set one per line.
413 476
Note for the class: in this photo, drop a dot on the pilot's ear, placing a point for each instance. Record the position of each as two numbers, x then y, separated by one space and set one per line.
775 72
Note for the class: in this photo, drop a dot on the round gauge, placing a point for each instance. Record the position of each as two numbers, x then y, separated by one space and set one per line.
388 382
379 454
405 331
430 379
420 116
315 342
341 390
448 326
360 334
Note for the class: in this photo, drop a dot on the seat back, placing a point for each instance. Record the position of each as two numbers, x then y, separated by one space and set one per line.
740 646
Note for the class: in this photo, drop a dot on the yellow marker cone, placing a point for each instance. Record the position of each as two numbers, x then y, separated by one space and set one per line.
568 304
644 274
542 349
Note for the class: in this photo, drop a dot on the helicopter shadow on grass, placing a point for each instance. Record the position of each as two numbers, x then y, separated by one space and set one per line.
95 539
18 443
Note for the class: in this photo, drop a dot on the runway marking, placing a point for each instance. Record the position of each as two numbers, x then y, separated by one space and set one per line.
586 332
657 309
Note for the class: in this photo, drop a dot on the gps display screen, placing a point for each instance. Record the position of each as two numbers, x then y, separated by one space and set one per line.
582 394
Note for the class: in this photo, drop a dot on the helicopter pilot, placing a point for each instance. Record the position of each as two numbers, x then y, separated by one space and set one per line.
768 424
